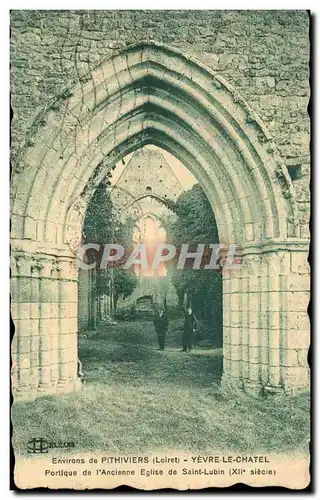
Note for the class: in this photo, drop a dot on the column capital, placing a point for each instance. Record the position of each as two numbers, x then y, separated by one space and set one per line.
274 246
36 266
67 268
46 265
20 264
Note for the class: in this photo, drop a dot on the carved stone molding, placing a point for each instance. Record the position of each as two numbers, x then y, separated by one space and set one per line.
73 227
21 265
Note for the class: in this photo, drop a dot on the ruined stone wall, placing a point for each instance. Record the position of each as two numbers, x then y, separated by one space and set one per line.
146 175
264 54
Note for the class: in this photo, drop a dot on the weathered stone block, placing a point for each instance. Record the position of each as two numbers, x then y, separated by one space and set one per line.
296 378
299 263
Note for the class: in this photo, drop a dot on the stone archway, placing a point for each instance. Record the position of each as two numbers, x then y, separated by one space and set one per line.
152 94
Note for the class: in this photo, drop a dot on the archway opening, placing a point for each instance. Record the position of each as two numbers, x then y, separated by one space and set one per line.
177 213
150 233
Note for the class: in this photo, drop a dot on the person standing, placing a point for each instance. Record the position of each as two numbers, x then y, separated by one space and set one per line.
161 326
190 326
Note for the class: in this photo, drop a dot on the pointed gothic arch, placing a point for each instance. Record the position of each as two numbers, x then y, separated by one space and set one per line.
152 94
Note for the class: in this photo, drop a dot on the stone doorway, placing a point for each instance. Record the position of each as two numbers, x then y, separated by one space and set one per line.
152 94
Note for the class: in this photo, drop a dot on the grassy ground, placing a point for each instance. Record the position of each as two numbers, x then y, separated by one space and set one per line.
139 399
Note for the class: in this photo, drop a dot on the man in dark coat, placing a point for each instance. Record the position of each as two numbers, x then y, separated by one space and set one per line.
161 326
190 326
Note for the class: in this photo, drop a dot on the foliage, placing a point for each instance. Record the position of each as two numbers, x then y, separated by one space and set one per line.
125 282
99 218
196 224
102 226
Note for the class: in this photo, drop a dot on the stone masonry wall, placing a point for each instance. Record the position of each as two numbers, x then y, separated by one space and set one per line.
264 54
147 169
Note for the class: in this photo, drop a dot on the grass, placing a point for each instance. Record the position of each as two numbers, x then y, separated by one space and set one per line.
138 399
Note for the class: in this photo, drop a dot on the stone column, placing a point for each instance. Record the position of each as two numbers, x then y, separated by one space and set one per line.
226 318
274 321
264 321
261 305
232 378
20 310
295 368
44 311
235 327
47 323
68 325
36 267
254 313
55 323
244 323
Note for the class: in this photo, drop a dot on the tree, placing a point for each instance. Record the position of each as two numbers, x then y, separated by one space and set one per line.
196 224
125 282
101 226
99 217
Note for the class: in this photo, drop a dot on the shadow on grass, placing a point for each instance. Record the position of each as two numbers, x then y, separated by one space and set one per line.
104 361
139 400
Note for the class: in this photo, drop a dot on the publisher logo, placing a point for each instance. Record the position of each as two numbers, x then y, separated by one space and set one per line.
40 445
37 445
